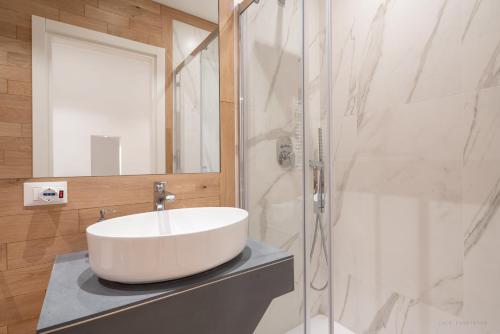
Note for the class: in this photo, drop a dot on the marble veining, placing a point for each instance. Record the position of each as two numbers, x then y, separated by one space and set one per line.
373 54
382 316
489 78
417 166
425 52
483 218
472 15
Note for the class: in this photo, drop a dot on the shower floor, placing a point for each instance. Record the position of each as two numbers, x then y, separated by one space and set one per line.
319 325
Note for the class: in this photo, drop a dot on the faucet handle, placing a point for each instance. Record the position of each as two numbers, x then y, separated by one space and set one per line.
169 197
160 186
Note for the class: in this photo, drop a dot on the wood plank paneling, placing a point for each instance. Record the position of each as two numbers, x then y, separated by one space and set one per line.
76 7
126 32
14 115
112 190
83 21
108 17
38 225
24 327
145 27
15 45
15 73
32 7
19 88
33 252
10 130
23 33
7 29
14 17
3 257
195 202
15 171
20 308
228 160
15 144
19 59
3 330
25 280
15 101
130 8
227 104
16 158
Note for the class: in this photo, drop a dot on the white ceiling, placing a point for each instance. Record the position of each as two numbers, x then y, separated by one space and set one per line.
206 9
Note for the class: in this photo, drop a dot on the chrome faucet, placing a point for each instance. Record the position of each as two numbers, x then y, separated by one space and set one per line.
161 195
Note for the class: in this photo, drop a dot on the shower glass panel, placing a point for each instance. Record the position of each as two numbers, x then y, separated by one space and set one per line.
284 129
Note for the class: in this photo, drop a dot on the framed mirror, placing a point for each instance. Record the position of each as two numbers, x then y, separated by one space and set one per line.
109 103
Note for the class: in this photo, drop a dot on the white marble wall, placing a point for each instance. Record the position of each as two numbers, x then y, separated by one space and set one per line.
416 104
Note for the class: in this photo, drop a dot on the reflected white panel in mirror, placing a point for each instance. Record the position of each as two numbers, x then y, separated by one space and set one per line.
89 84
105 154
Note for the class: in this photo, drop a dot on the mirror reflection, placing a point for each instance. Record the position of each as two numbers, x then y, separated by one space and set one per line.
109 104
196 99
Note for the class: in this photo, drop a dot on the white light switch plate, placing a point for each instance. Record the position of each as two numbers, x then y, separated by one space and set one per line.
34 191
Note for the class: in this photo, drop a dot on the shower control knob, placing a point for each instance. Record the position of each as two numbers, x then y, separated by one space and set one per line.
284 152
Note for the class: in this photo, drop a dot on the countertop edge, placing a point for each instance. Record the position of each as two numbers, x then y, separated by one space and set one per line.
78 321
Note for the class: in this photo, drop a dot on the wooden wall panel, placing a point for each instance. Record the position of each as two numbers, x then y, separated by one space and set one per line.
38 225
227 106
95 192
3 257
25 280
30 238
23 327
83 21
33 252
19 308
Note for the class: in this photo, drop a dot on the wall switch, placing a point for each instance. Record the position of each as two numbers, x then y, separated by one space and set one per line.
45 193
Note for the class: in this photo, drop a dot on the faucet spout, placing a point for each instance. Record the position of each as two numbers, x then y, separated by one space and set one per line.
161 196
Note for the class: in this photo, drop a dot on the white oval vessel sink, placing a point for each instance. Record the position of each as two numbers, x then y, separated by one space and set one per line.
165 245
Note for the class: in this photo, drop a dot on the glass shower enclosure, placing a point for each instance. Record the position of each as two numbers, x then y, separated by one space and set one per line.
404 97
285 151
